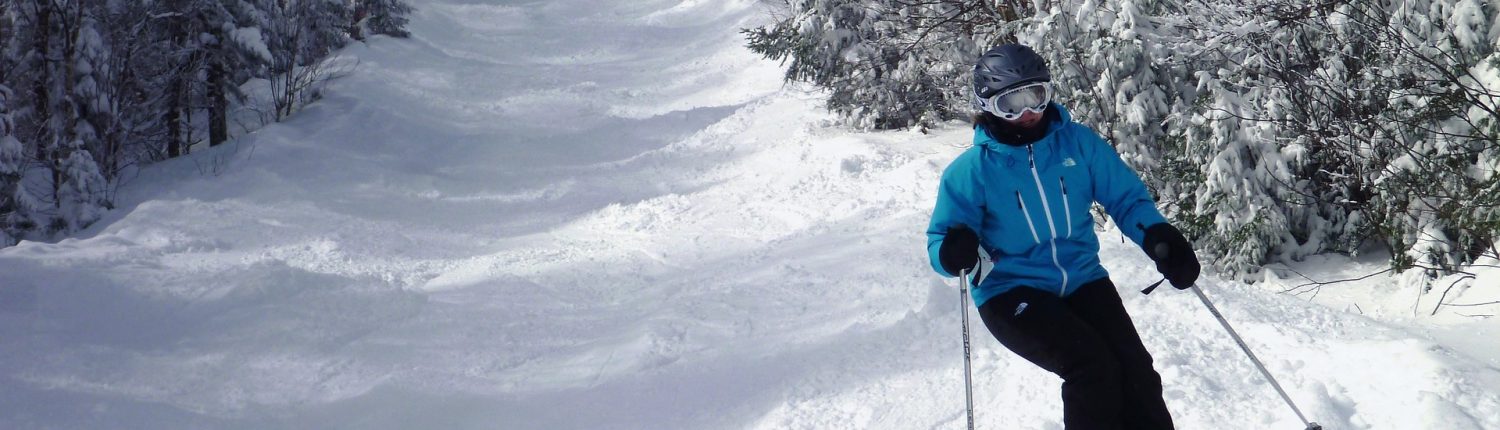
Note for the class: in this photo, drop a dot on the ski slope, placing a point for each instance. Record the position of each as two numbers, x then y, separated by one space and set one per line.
590 214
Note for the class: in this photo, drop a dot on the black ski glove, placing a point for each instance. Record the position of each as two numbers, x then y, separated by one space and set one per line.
960 249
1173 255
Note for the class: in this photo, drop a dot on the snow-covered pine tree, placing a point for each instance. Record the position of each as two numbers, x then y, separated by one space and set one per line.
89 88
1435 199
217 46
235 51
386 17
1241 196
83 193
56 45
178 24
1270 129
134 84
31 43
886 63
322 25
1114 68
1341 125
16 204
92 74
1242 209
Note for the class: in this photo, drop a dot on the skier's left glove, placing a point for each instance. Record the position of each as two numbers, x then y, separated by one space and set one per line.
1173 254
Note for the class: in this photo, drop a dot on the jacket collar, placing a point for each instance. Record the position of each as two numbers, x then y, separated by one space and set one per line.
983 139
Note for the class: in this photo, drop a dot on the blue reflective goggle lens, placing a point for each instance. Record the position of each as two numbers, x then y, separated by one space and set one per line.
1012 104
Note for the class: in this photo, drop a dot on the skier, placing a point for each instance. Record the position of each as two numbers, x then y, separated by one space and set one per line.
1022 194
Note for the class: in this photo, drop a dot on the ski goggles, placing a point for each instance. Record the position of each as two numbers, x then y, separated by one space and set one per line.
1011 104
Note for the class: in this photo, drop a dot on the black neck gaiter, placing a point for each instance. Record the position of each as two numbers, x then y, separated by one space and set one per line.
1009 134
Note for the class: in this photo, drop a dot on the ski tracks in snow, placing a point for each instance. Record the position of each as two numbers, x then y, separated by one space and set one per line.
593 214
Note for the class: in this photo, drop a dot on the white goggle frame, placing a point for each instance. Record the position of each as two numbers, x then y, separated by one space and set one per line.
1009 105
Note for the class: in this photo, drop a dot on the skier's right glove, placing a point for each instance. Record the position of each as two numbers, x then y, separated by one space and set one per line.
960 249
1173 254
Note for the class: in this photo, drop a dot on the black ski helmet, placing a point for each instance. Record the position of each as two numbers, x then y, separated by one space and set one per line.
1006 66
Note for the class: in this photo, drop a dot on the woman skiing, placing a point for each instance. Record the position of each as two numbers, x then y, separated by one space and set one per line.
1022 194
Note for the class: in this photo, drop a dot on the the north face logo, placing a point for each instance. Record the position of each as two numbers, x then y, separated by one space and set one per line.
1068 162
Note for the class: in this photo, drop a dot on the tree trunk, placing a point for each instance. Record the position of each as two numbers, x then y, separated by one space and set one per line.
218 104
45 133
174 119
177 84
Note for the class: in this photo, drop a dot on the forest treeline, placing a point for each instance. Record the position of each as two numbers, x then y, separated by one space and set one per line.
1270 130
90 89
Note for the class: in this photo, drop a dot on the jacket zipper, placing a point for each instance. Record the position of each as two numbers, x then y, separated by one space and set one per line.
1067 208
1047 209
1027 215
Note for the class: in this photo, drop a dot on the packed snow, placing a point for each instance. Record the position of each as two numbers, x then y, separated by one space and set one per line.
592 214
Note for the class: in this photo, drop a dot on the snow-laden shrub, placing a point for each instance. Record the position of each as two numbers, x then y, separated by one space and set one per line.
886 63
1269 130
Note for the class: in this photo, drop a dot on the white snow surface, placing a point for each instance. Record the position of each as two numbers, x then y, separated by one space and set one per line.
588 214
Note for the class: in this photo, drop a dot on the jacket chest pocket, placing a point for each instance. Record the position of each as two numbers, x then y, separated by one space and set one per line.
1077 189
1049 204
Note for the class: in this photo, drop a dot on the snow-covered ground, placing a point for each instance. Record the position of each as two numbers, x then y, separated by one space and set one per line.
592 214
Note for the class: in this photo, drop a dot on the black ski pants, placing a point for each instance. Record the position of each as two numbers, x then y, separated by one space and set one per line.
1088 340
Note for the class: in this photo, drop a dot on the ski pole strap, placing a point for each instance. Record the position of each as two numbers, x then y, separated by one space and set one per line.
1151 288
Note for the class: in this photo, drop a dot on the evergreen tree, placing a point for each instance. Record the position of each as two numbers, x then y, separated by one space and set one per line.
57 54
386 17
1365 104
321 25
14 210
16 205
135 84
90 88
1115 71
81 196
231 52
217 46
1443 135
887 63
1269 129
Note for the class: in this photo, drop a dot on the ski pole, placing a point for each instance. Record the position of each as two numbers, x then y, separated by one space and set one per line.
1161 252
963 289
1262 367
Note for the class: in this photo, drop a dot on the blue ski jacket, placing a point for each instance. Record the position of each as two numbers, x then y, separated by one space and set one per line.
1030 206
